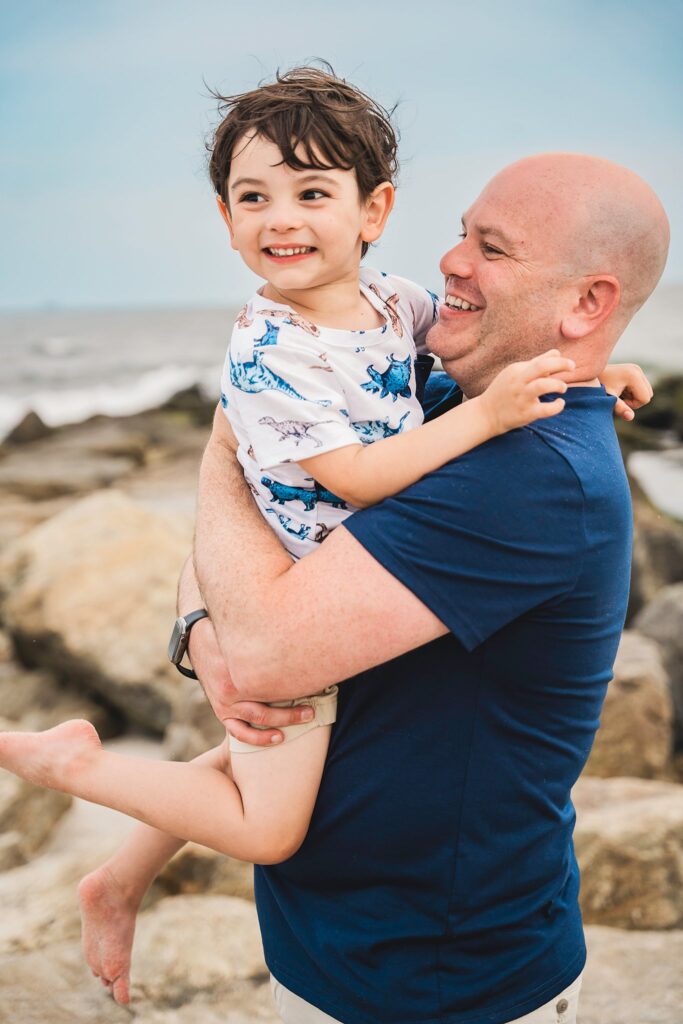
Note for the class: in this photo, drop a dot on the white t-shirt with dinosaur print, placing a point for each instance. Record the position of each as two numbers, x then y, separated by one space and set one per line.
292 390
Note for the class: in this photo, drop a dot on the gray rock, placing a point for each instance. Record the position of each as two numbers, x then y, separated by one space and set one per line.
636 723
197 870
39 475
36 701
30 428
657 555
28 811
628 840
91 595
632 977
186 945
662 620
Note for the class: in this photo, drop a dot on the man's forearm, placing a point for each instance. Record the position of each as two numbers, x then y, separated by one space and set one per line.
237 558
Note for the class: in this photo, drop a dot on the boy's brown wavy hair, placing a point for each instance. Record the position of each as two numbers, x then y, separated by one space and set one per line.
332 123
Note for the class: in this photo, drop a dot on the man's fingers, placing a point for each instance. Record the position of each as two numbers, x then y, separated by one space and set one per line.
256 713
255 737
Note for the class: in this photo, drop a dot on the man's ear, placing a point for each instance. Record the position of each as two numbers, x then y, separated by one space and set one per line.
377 208
595 300
225 214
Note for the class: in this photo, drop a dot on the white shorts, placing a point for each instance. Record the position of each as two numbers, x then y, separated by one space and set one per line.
561 1009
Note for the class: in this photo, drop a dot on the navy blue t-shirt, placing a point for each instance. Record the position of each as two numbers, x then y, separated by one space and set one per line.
437 882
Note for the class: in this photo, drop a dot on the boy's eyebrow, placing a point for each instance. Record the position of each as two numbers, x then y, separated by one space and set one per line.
244 181
257 183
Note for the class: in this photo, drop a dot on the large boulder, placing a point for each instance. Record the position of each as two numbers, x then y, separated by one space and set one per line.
632 977
662 620
91 595
196 870
190 944
628 839
657 555
27 816
636 724
35 700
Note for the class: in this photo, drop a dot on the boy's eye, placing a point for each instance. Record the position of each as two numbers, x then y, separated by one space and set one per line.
252 197
491 249
312 194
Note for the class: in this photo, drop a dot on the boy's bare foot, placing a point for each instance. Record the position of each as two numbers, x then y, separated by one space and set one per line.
108 919
52 757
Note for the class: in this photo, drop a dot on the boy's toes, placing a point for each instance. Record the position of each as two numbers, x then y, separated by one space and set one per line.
121 990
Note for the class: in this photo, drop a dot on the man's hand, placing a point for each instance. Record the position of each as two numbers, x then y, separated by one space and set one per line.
629 385
238 715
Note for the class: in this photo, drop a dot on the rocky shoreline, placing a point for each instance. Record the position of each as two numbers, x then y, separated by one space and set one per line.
95 522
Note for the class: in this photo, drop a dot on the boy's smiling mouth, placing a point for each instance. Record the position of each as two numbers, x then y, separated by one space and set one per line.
292 252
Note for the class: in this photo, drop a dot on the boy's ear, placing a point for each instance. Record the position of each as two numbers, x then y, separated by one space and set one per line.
377 208
225 214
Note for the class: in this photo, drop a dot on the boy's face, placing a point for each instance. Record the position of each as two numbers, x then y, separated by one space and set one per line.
297 229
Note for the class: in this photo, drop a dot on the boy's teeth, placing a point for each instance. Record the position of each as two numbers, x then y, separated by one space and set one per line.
289 252
455 302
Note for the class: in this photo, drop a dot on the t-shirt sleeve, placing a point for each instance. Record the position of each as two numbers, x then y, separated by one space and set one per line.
289 400
484 539
424 306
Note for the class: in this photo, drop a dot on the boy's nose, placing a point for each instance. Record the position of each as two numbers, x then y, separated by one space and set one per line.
283 217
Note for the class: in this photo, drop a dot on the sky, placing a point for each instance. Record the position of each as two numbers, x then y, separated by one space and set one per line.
104 109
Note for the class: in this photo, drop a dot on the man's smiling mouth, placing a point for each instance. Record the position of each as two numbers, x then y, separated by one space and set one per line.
455 302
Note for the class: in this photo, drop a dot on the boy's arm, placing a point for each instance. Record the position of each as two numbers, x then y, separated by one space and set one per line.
365 475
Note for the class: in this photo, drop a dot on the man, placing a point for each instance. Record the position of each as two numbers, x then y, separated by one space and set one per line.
475 618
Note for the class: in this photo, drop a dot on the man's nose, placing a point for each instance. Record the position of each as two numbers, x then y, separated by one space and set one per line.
457 262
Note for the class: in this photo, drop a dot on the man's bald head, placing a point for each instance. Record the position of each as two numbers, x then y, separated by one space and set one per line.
558 251
604 218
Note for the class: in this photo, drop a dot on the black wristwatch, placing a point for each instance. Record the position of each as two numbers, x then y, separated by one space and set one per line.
180 638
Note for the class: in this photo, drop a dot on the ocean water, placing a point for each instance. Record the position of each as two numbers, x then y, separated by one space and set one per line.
69 365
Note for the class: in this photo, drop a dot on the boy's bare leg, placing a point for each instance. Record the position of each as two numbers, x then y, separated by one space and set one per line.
110 897
264 821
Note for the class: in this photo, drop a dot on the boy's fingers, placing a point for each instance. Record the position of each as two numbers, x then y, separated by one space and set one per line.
549 362
623 410
547 409
547 385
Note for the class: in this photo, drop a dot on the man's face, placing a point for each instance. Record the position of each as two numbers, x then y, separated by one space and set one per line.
508 270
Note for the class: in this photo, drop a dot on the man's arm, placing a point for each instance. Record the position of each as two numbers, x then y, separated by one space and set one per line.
288 629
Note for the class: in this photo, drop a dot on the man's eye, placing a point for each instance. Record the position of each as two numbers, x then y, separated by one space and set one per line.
252 197
312 194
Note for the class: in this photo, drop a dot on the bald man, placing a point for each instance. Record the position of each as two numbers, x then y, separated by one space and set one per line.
474 618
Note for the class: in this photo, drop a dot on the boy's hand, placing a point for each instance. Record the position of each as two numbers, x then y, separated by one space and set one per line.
629 385
513 398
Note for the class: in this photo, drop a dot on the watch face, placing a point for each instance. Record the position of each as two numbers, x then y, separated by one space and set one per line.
176 645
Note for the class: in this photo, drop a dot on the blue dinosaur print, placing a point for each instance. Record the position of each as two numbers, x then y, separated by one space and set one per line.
374 430
394 381
283 492
270 336
359 348
224 400
253 377
329 497
435 305
286 524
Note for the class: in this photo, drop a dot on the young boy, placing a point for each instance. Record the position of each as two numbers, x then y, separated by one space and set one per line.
321 393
